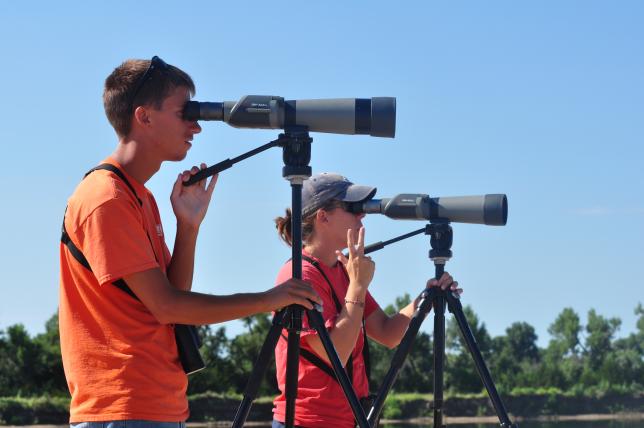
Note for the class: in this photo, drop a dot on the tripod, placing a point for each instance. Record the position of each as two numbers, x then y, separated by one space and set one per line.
296 145
441 243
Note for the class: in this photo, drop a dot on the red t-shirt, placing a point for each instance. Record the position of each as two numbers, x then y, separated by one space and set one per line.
320 399
119 361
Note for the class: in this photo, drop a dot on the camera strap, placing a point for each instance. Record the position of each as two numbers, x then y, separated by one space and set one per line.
319 362
186 336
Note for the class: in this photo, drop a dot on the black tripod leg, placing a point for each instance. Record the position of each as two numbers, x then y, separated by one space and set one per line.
424 306
441 241
316 321
456 308
261 364
292 364
439 353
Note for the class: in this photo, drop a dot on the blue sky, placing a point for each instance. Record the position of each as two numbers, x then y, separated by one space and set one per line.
543 101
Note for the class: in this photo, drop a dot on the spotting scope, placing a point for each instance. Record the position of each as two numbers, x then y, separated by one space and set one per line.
371 116
490 209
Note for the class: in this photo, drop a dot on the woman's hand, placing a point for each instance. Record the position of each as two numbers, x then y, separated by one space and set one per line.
359 267
445 282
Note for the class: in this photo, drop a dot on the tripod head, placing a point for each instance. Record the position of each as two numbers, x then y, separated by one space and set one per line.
441 237
296 153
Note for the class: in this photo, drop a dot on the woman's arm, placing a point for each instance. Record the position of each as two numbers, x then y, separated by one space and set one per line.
389 330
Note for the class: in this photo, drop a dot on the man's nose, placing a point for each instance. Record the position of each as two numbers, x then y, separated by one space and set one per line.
195 128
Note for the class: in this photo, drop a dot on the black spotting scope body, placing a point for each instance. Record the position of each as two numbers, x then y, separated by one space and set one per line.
490 209
371 116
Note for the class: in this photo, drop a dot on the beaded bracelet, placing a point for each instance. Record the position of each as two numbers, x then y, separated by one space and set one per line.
354 302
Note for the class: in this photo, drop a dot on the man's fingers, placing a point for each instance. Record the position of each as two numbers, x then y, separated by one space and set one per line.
297 300
302 289
211 185
202 182
341 257
176 187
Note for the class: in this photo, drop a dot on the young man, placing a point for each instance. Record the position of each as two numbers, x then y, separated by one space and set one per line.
121 291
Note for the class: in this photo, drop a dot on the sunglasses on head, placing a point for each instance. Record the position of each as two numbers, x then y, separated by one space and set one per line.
156 63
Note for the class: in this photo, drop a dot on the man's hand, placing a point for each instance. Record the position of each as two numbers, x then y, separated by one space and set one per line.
292 292
190 203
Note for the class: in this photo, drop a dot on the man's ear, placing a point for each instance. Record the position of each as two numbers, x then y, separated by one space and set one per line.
142 116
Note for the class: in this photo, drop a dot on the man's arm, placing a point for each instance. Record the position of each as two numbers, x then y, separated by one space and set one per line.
170 305
181 268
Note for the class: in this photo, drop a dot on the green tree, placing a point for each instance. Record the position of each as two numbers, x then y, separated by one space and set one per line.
624 365
515 357
600 335
562 363
29 366
51 374
217 376
565 333
415 375
244 350
639 310
460 371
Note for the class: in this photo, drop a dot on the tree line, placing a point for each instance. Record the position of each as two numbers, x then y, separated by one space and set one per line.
578 358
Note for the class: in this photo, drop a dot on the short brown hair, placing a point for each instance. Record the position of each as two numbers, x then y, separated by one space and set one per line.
123 81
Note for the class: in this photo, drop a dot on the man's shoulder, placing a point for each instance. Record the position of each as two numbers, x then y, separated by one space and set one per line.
100 189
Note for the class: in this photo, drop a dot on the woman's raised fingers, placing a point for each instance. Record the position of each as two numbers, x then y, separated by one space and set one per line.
351 243
360 247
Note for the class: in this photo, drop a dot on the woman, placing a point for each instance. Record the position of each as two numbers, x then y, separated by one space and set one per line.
349 311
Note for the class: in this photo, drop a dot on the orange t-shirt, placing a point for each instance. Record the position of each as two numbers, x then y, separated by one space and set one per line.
120 362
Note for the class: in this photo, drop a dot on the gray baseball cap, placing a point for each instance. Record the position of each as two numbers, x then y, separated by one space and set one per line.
319 189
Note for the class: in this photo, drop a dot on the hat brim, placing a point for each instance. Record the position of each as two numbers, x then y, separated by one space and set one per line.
357 193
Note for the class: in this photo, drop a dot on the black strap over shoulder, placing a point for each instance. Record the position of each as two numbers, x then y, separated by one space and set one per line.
119 173
80 258
338 305
186 336
317 361
73 249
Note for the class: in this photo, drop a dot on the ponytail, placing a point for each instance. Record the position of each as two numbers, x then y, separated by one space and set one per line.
283 226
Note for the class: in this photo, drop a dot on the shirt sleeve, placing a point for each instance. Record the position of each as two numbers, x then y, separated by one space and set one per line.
114 241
